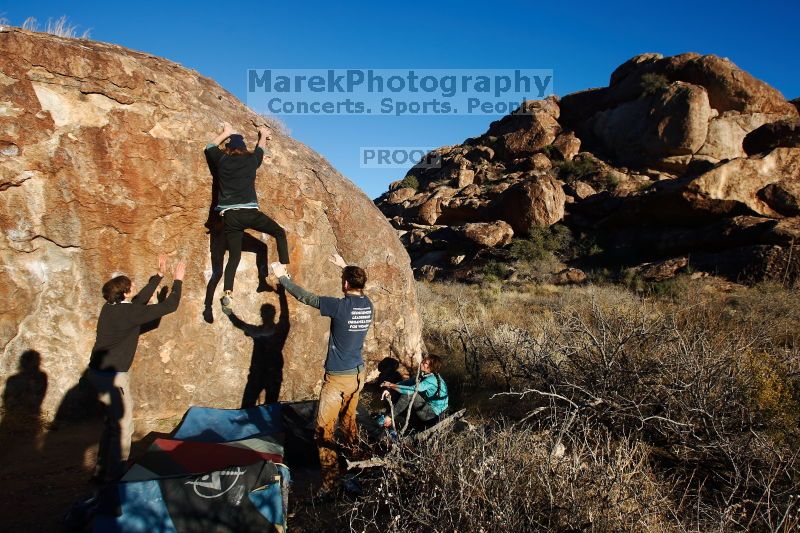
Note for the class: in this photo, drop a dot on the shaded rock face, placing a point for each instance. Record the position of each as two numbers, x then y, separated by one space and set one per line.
783 133
673 122
782 196
683 156
102 168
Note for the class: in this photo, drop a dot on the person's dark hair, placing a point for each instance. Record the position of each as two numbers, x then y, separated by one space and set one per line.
354 276
236 145
434 363
236 151
114 289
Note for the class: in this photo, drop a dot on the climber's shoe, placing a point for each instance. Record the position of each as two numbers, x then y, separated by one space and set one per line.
226 301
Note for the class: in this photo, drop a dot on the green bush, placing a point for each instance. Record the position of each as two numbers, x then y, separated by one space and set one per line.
410 182
551 152
526 250
652 83
542 242
572 171
493 271
609 182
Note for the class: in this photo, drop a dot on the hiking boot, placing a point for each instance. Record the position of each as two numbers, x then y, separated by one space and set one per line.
226 301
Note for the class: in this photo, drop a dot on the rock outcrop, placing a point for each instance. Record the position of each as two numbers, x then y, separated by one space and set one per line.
670 113
535 202
102 168
680 160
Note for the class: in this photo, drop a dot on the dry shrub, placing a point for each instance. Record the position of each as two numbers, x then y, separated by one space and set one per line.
708 380
513 478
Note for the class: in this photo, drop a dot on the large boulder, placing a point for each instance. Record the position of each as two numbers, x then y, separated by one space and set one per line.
398 196
527 131
672 122
489 234
732 188
729 88
102 168
648 118
536 202
567 145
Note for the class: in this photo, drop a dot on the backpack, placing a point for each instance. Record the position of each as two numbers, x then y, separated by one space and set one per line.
438 394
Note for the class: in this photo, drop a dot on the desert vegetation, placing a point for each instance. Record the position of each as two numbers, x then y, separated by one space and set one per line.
60 27
600 408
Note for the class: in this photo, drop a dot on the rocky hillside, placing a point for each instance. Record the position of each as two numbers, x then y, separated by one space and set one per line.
683 162
102 168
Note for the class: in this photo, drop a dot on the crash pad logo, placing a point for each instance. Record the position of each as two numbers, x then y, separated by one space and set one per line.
216 484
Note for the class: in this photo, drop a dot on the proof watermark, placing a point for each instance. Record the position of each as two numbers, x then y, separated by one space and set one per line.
399 157
395 92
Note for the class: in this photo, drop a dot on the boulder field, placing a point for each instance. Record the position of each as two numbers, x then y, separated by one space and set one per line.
684 160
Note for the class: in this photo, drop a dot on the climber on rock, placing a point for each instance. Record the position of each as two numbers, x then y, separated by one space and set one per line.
344 377
118 329
238 203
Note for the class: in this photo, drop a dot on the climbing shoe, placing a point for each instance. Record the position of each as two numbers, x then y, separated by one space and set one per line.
226 301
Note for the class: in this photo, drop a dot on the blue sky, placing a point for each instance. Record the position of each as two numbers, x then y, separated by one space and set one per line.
582 42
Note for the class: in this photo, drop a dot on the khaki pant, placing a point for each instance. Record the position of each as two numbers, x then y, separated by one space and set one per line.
114 392
338 400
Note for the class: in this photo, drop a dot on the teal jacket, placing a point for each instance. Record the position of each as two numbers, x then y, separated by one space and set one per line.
433 390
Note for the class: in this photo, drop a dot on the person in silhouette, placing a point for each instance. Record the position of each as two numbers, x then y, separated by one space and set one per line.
266 364
388 370
237 202
351 317
118 329
23 397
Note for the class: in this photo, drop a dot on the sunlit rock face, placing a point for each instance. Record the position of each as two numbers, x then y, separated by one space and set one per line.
102 168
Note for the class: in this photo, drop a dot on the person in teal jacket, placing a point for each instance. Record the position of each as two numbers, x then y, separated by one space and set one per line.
430 400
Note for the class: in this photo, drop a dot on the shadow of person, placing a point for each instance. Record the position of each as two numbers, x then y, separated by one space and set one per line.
217 246
388 370
266 363
69 446
22 403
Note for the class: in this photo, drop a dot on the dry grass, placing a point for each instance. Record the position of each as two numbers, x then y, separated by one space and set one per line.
514 478
614 413
60 27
